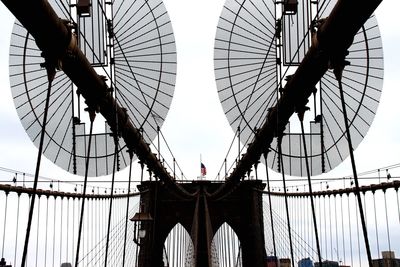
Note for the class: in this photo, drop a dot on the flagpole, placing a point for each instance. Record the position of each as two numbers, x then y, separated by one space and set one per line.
201 174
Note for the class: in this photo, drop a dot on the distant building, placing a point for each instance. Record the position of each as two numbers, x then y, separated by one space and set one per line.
285 262
327 264
272 261
307 262
388 260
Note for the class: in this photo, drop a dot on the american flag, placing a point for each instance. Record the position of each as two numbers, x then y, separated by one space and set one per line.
203 169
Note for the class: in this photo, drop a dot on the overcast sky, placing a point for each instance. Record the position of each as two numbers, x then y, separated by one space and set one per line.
196 123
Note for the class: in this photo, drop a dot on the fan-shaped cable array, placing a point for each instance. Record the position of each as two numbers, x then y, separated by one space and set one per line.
139 62
258 45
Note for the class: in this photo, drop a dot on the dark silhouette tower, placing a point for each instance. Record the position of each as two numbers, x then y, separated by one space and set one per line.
202 216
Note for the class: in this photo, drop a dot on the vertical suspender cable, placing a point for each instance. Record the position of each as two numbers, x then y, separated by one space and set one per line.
376 224
184 242
286 199
320 221
86 237
226 250
330 225
68 222
303 224
136 255
338 74
358 235
227 245
292 223
350 233
73 226
98 203
5 223
270 204
119 231
103 224
229 241
122 227
292 207
16 231
222 249
343 239
97 225
37 231
336 229
111 199
325 228
365 207
307 229
50 75
54 228
173 242
27 259
141 180
91 226
302 217
61 226
175 233
398 202
387 220
217 248
66 252
301 118
84 234
183 247
92 116
284 247
127 207
155 213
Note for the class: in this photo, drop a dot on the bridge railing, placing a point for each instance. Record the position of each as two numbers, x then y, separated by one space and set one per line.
56 218
338 223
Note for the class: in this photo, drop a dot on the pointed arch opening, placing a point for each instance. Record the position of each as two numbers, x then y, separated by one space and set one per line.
225 248
178 248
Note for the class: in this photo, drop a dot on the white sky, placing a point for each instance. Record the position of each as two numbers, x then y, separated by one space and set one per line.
196 123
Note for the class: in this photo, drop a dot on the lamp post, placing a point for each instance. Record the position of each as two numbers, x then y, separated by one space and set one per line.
141 219
3 263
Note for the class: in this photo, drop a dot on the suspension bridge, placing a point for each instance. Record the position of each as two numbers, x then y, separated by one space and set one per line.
299 82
